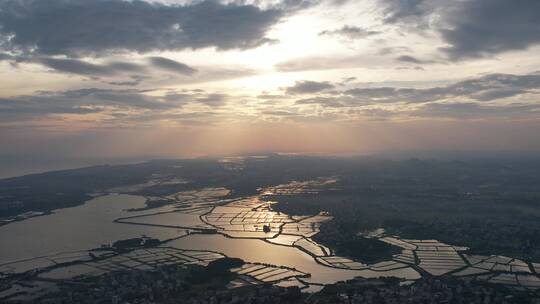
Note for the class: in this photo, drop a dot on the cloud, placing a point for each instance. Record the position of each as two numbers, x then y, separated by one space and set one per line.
129 102
308 87
134 81
398 10
376 113
333 102
393 50
412 59
417 68
481 28
350 32
366 60
278 113
487 88
111 68
435 110
471 28
452 110
124 73
475 110
25 108
348 79
90 27
482 97
7 57
331 62
498 93
82 101
80 67
171 65
127 83
213 100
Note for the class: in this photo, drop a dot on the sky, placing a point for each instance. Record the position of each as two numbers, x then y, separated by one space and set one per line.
115 79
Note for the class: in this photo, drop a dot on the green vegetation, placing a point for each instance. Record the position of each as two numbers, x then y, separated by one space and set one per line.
427 290
225 264
132 243
369 251
216 274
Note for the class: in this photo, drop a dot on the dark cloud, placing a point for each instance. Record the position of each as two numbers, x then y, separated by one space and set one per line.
375 114
471 28
398 10
412 59
178 97
85 68
86 27
453 110
333 102
109 97
308 87
479 28
171 65
350 32
475 110
482 89
205 118
498 93
437 110
80 67
127 83
394 49
278 113
20 109
7 57
134 81
383 94
348 79
94 100
82 101
213 100
485 88
417 68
